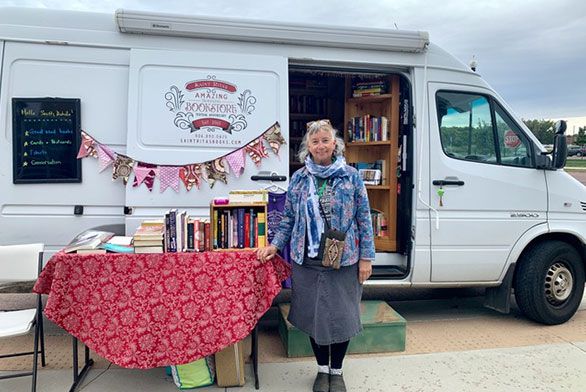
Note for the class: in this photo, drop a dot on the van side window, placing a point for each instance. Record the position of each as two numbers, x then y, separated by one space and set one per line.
514 146
466 126
469 124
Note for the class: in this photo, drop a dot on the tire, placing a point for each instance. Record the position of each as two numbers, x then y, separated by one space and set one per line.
549 282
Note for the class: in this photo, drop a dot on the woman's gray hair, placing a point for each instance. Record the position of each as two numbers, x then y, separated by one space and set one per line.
313 128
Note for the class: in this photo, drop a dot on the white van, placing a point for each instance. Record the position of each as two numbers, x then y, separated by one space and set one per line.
472 198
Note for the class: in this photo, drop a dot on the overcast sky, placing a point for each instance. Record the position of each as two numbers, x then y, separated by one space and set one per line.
533 52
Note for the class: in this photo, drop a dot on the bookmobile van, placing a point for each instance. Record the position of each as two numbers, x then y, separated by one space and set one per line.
471 199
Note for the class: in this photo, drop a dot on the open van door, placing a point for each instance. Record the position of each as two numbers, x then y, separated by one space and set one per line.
196 107
484 181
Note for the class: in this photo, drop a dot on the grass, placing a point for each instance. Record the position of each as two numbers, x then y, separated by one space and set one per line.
576 162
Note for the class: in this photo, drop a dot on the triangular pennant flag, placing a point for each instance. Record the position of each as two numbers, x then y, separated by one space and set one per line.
275 138
169 177
122 168
236 162
215 171
144 172
191 175
105 157
256 150
87 146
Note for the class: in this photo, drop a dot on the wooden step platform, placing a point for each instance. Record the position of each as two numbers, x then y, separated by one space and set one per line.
383 331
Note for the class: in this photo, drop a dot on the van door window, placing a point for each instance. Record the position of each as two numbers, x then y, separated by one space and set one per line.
466 126
514 146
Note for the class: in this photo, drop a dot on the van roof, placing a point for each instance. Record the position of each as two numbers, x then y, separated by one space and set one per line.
108 28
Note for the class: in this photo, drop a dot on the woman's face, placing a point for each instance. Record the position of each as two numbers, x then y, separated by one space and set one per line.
321 146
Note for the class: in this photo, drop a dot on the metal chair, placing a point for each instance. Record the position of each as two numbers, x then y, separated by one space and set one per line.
22 263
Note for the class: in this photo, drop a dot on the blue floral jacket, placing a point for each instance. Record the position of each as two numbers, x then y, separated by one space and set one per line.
350 211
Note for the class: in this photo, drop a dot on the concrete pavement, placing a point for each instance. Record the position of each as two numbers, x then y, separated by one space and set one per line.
559 365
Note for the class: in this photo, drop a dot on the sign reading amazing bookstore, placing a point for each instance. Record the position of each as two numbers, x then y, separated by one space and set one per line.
45 138
211 111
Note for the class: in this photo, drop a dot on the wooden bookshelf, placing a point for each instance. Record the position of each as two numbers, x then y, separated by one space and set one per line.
222 243
382 197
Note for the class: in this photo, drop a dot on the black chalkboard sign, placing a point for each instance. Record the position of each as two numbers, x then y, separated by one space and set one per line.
46 137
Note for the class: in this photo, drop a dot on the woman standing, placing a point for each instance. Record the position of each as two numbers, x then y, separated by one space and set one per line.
325 299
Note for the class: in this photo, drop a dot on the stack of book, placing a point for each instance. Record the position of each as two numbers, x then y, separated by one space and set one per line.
89 242
368 128
149 237
239 228
379 223
367 88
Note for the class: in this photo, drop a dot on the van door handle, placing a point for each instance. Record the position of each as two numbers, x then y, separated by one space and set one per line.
448 182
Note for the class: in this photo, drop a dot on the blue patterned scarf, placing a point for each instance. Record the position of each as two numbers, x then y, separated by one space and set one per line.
313 218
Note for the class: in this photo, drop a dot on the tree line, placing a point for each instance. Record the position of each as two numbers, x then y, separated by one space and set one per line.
544 131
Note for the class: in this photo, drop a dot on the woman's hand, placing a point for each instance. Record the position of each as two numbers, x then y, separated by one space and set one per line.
266 253
364 270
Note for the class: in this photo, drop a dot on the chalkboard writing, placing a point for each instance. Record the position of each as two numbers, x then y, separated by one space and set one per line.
46 137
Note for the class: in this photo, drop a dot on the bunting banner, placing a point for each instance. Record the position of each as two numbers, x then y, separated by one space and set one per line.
169 177
236 162
87 147
105 157
191 174
274 137
145 173
215 171
122 168
256 150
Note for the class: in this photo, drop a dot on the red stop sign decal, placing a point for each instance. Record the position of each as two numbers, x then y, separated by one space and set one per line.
511 139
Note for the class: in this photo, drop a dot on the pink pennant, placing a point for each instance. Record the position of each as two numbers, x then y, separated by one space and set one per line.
236 162
169 177
87 146
144 172
106 157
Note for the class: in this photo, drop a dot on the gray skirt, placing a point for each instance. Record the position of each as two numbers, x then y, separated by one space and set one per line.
325 303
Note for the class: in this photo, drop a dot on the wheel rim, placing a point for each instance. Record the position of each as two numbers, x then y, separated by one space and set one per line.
558 283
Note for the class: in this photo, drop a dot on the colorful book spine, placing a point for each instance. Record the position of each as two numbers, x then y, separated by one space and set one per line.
190 235
202 236
261 229
207 236
247 229
241 227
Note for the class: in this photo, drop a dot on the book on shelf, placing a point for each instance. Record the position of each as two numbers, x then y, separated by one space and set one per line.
261 229
379 223
89 239
370 176
248 196
368 128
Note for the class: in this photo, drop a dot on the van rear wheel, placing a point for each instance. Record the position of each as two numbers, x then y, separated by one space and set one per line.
549 282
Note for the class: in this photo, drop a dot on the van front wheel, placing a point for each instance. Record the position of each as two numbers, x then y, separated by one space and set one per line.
549 282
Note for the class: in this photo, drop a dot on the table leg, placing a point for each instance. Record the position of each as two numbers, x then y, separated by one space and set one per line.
77 375
255 356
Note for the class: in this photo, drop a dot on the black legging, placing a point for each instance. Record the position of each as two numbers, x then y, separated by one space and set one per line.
322 353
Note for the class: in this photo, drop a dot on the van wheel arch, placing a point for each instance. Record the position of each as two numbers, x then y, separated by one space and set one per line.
549 279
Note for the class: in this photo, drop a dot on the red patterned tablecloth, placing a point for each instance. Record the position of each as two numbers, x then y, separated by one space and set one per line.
150 310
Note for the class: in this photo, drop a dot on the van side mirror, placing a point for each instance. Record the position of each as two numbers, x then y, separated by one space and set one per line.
560 147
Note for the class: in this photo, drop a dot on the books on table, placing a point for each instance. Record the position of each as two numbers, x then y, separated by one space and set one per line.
88 240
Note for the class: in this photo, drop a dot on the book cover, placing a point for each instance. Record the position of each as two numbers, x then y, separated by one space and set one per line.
89 239
173 230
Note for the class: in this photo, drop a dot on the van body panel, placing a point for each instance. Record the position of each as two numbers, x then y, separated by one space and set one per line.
504 201
99 78
164 97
